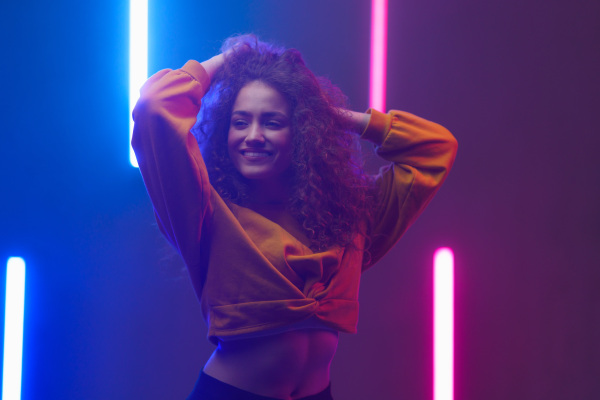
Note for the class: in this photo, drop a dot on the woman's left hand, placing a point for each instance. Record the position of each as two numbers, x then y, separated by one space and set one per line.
213 64
358 120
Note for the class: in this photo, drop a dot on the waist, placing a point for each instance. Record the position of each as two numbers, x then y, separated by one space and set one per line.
287 365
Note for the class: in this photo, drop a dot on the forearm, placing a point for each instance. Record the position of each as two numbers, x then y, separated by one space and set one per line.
169 157
421 153
358 120
213 64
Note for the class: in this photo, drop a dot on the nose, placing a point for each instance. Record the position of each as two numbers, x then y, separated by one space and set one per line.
255 135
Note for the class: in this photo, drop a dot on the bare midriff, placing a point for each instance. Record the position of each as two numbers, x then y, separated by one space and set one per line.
286 366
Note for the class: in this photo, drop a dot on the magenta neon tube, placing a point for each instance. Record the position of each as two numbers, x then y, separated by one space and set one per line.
378 54
443 346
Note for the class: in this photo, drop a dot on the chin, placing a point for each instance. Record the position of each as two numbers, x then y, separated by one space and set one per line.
259 176
265 175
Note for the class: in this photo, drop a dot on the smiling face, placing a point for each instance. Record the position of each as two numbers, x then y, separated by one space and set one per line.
260 136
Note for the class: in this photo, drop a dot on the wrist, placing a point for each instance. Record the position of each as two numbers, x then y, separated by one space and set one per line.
212 64
359 120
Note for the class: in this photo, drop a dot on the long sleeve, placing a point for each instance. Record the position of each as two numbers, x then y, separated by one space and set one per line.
421 153
169 158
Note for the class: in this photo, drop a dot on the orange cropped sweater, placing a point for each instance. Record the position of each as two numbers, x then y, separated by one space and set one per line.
252 273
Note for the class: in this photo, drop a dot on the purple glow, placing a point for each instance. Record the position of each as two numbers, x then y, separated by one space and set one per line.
443 324
379 9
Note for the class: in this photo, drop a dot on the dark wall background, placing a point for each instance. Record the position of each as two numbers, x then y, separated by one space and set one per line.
110 313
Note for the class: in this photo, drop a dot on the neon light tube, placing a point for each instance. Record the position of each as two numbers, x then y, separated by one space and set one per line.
138 58
443 324
379 11
13 329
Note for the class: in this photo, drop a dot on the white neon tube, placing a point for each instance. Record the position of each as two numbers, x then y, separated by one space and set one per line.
379 11
13 329
138 58
443 346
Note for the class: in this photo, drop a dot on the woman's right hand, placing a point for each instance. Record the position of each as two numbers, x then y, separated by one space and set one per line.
213 64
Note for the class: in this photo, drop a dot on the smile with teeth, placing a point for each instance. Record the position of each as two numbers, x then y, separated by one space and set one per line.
255 153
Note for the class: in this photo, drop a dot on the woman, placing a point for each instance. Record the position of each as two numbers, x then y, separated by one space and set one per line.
275 219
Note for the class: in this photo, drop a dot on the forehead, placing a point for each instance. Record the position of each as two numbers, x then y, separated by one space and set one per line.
257 96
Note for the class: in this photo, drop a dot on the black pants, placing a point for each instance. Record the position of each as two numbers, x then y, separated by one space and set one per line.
209 388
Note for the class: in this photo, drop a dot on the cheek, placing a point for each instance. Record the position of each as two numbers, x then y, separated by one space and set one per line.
290 141
287 147
231 143
229 138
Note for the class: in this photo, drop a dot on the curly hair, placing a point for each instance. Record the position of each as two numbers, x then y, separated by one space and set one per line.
331 194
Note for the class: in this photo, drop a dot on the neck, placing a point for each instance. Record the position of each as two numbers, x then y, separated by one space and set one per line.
263 193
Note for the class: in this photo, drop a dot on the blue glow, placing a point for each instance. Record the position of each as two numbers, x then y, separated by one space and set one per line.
13 329
138 58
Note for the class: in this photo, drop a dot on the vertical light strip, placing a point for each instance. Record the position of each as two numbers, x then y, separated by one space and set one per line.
443 324
379 11
138 58
13 329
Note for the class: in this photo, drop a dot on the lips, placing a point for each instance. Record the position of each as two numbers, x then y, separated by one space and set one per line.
255 153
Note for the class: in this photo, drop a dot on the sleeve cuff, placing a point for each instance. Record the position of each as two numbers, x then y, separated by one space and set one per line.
377 128
197 71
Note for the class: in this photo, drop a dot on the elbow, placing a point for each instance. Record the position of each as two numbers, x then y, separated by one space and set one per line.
449 139
446 149
449 144
136 142
145 111
144 107
138 118
452 150
452 146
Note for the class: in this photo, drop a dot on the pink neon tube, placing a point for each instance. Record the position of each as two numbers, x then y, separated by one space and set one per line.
379 9
443 324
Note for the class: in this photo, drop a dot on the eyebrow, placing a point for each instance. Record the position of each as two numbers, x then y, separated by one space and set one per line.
268 114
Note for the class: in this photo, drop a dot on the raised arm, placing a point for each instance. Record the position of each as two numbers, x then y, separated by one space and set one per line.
358 120
168 154
421 152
